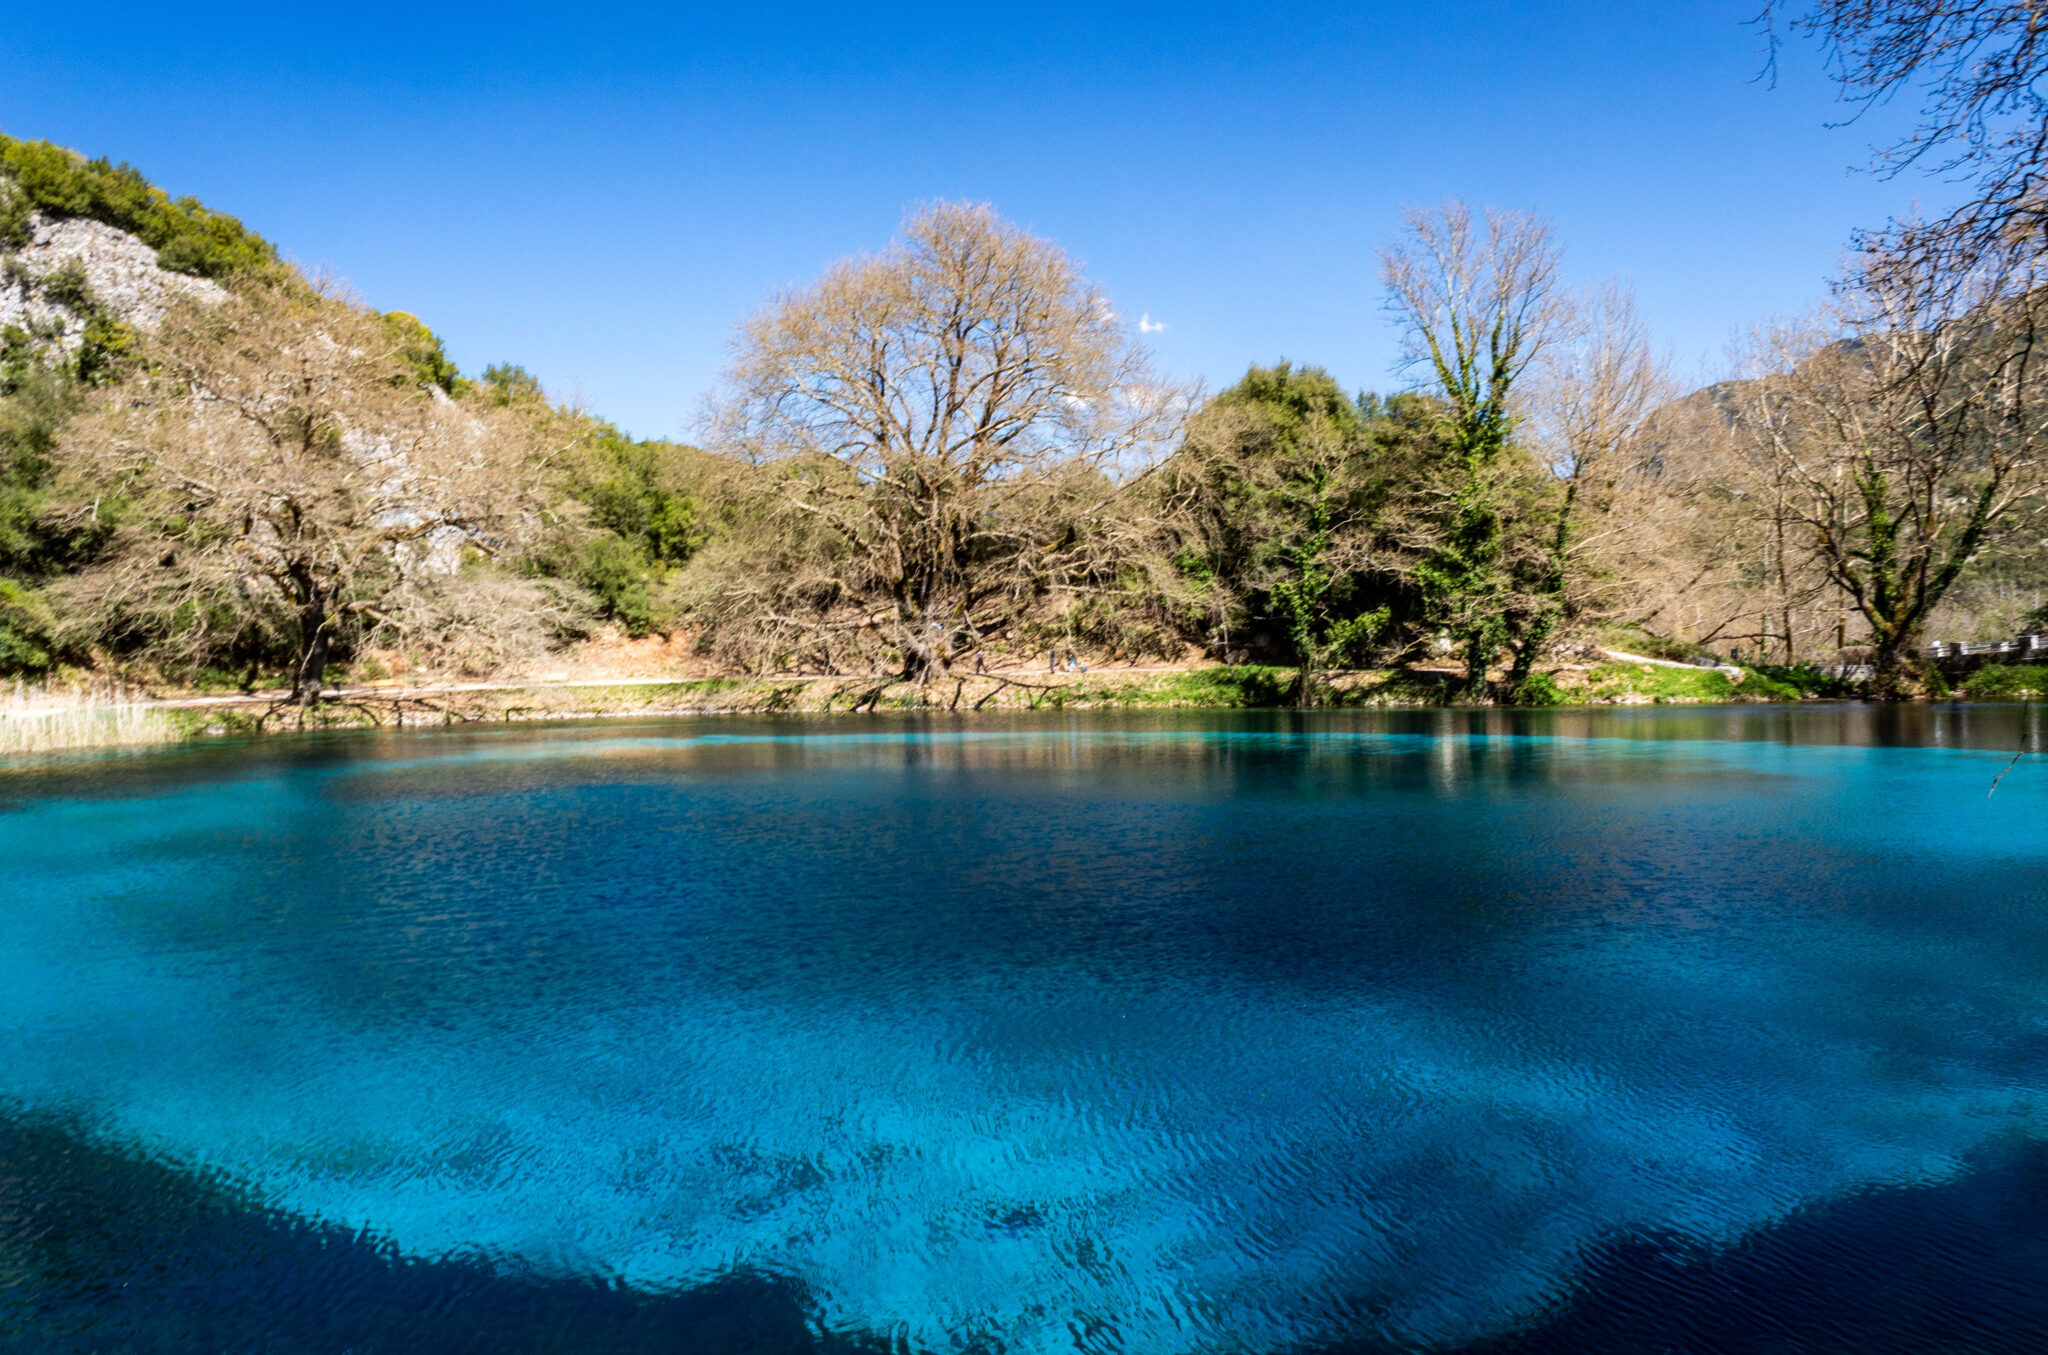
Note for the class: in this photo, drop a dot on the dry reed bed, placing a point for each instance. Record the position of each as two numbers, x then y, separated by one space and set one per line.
43 719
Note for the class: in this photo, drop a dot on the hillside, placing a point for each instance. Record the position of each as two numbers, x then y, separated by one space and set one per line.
106 283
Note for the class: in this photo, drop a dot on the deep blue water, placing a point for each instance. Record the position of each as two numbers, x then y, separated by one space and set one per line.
1643 1030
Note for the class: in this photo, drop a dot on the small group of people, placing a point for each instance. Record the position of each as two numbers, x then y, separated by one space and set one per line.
1052 661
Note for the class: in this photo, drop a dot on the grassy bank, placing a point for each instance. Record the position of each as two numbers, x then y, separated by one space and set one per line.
1233 688
1654 684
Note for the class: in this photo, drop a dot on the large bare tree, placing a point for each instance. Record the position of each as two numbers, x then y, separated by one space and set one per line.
1706 546
1904 429
1478 301
287 468
932 413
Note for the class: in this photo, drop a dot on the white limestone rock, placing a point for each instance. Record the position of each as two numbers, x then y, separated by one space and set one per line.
120 270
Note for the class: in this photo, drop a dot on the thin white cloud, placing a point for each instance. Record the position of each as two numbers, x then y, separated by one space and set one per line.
1147 325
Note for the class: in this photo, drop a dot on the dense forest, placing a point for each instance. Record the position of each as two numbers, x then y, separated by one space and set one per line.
956 451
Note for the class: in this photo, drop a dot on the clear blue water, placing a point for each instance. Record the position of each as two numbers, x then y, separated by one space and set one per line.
1148 1033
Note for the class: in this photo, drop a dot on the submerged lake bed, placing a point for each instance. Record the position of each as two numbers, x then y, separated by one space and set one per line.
1653 1028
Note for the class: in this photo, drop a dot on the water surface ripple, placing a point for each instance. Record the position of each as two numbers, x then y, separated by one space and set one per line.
1196 1033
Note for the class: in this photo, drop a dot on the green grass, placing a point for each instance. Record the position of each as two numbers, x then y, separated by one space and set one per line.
1661 685
1231 688
1631 639
1248 687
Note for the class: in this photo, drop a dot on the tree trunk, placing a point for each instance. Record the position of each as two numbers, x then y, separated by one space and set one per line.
1480 647
1308 683
1529 647
315 640
1899 676
927 656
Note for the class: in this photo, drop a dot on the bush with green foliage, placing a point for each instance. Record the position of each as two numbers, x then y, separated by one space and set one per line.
1275 508
507 383
633 490
47 525
1537 689
187 237
27 630
1808 680
617 575
638 510
420 349
2007 682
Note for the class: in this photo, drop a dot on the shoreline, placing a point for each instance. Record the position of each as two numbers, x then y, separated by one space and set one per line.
50 722
85 724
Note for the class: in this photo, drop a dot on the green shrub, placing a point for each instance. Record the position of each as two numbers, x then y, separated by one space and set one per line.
507 383
48 522
2009 682
187 237
67 285
635 489
422 350
18 357
105 350
1758 685
616 574
1537 689
26 628
1807 680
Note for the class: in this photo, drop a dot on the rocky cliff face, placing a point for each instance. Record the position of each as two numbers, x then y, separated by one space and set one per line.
49 287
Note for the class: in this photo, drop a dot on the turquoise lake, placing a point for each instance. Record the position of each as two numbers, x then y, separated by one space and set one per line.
1650 1029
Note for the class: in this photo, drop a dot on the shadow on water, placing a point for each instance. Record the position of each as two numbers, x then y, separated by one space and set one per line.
100 1250
1957 1267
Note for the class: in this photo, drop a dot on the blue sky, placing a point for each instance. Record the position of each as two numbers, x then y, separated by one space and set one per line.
602 195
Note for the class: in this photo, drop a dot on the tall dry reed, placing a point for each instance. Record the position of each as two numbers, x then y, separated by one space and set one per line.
51 719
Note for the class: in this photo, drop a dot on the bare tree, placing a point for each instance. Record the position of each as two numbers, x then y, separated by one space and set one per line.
1904 429
929 410
1477 300
1591 406
1979 66
288 471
